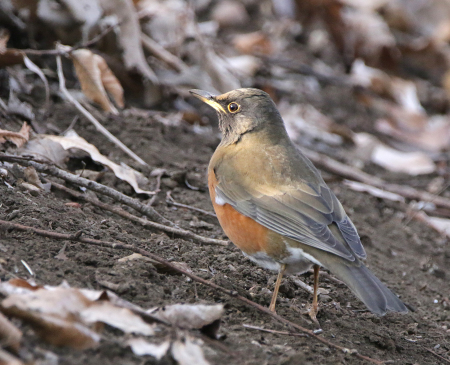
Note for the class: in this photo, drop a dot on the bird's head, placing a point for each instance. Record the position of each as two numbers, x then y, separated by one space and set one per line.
242 111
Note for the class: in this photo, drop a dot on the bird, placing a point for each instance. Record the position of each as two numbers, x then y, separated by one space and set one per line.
274 205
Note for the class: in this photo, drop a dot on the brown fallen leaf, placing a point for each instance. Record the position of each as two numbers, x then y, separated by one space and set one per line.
190 316
52 315
253 43
121 318
7 359
97 79
123 172
4 38
10 335
141 347
188 352
18 138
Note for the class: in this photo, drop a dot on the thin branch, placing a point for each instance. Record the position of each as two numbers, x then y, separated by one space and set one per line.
95 122
115 245
274 331
161 53
171 201
349 172
437 355
46 168
64 51
145 223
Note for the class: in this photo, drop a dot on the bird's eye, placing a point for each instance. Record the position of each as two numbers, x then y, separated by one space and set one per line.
233 107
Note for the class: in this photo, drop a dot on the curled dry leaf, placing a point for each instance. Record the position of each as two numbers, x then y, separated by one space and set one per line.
121 318
141 347
45 149
190 316
369 148
51 313
18 138
96 79
72 140
65 316
187 352
412 163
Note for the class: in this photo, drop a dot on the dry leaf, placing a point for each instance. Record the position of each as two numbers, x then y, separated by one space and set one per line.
121 318
32 177
369 148
72 140
304 119
141 347
187 353
18 138
51 313
431 134
230 13
7 359
96 79
10 335
45 149
129 36
253 43
4 38
412 163
191 315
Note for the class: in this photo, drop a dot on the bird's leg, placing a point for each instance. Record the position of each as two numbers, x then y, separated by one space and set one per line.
277 286
315 306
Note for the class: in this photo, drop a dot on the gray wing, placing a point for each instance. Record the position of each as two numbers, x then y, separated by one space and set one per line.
311 216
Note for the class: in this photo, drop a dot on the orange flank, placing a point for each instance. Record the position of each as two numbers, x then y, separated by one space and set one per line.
244 232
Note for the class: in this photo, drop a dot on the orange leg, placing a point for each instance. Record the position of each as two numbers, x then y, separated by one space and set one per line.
277 287
315 305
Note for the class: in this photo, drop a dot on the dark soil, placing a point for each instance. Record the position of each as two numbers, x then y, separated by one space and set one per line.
410 257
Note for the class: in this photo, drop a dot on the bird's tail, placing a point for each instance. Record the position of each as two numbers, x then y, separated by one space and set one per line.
368 288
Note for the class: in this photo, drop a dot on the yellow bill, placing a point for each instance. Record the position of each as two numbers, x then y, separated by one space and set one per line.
208 98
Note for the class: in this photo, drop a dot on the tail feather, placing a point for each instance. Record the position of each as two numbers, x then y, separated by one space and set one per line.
368 288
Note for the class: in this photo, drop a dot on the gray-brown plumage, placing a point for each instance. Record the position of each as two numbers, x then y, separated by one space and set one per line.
274 205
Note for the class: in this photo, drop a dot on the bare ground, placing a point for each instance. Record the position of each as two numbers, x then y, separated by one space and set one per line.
410 257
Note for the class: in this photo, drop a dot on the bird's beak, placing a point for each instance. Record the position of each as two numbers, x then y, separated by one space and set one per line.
208 98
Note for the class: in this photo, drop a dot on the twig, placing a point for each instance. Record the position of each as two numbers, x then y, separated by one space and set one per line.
116 245
160 52
64 51
95 122
92 185
274 331
349 172
437 355
145 223
170 201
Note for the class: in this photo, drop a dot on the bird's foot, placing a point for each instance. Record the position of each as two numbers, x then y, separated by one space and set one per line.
312 312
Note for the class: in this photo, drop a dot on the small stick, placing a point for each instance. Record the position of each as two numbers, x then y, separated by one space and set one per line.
171 201
340 169
89 116
46 168
274 331
160 52
120 246
145 223
437 355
